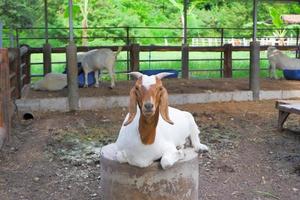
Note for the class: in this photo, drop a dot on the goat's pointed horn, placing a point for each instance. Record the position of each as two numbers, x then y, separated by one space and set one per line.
136 74
163 74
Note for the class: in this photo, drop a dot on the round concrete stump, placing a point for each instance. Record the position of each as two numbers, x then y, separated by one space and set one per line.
126 182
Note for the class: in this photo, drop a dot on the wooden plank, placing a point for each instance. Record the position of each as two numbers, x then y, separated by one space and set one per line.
5 89
23 77
11 90
291 109
282 116
285 108
12 75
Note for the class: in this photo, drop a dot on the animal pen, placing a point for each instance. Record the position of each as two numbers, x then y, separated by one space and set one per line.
56 155
19 67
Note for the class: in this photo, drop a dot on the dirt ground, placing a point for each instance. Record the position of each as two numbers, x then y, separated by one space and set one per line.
174 86
55 155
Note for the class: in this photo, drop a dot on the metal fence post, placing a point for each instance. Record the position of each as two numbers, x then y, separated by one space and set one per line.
228 60
17 37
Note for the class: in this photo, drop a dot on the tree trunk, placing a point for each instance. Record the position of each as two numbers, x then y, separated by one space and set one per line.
84 23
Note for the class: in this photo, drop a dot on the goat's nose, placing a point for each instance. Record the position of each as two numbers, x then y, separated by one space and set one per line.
148 106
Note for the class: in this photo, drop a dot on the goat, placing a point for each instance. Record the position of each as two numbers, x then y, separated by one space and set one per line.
278 60
153 130
98 59
51 82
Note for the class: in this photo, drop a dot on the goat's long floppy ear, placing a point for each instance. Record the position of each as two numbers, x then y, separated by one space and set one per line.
132 106
164 106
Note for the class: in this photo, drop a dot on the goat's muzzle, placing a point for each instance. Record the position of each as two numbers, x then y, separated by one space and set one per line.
148 109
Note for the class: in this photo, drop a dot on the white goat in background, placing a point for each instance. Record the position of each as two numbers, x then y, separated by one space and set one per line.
278 60
153 130
51 82
99 59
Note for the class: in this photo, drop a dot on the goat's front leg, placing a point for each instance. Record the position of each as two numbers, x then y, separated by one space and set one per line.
196 142
170 157
85 79
112 77
96 75
273 70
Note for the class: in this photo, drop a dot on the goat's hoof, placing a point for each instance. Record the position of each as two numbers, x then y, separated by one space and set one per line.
201 148
121 157
180 154
165 163
110 87
85 86
96 85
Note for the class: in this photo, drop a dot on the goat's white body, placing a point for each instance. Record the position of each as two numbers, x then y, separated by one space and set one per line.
96 60
51 82
278 60
168 138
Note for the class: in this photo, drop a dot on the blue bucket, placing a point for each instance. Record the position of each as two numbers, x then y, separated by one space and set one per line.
91 79
150 72
291 74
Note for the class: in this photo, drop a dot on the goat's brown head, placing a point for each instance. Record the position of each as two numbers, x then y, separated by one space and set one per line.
150 95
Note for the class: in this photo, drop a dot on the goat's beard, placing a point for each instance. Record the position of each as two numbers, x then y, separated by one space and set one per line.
148 114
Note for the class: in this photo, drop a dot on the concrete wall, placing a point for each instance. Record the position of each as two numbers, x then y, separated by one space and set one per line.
92 103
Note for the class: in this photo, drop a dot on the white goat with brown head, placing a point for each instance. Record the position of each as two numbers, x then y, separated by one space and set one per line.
153 130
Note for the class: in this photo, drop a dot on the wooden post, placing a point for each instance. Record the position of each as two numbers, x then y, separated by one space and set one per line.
135 57
228 61
254 69
221 53
185 61
297 43
5 88
27 68
15 69
72 77
47 58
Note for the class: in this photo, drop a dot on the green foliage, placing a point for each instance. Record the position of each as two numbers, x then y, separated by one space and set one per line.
209 14
21 13
276 18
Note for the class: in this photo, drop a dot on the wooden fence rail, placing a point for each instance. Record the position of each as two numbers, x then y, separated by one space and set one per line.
135 49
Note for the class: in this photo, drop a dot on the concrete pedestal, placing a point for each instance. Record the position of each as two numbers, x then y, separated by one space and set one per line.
126 182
